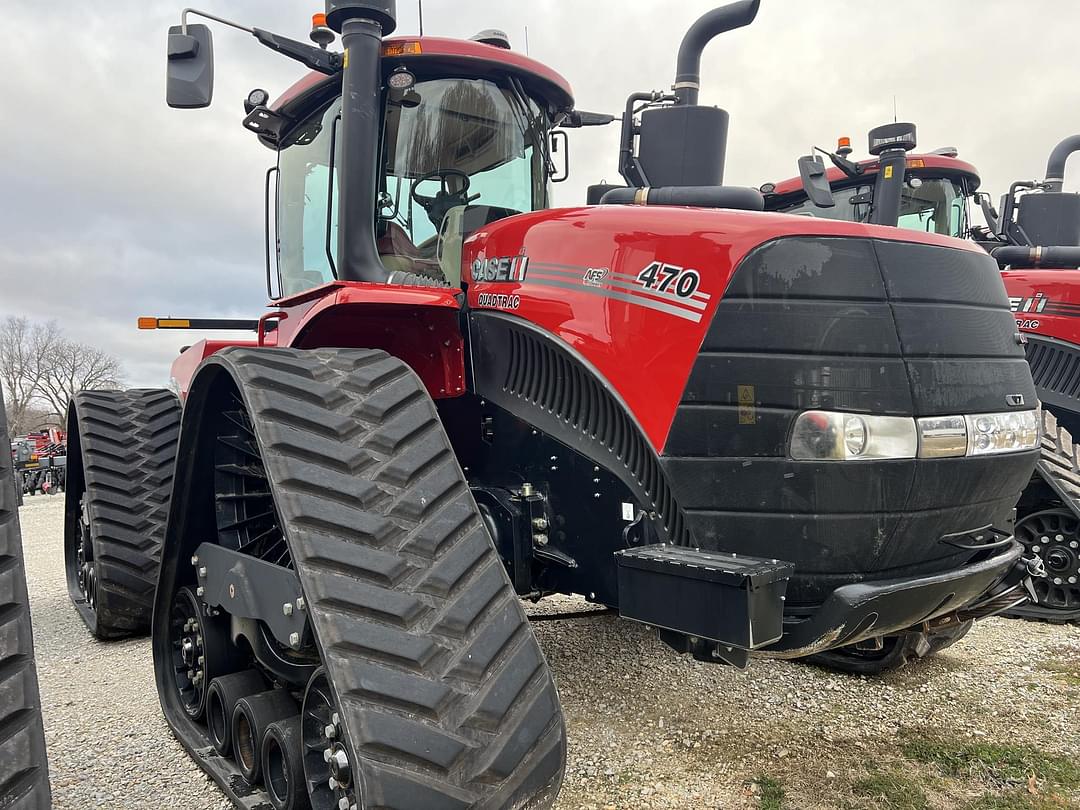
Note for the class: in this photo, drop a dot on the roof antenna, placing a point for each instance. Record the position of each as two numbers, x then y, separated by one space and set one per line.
894 118
526 40
421 3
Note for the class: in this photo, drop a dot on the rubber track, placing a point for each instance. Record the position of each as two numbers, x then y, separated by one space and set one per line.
444 691
1059 467
128 450
24 772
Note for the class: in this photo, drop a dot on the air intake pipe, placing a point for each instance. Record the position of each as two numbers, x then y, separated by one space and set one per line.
362 25
712 24
1055 166
744 199
1023 256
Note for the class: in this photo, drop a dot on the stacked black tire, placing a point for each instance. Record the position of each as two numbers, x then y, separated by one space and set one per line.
431 690
121 454
24 772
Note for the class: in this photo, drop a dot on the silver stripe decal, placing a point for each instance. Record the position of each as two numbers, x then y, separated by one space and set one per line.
659 306
649 295
703 296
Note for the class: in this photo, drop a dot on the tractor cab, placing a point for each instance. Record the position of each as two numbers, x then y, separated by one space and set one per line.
465 140
933 191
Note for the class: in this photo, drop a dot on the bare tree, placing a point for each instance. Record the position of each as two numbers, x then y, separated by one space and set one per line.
40 370
70 367
24 349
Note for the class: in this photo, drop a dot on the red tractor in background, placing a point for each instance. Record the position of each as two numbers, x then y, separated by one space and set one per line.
40 460
751 431
1036 241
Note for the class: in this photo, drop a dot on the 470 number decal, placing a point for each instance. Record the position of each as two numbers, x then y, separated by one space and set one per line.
667 278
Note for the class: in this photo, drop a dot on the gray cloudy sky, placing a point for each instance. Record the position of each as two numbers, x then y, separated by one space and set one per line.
114 206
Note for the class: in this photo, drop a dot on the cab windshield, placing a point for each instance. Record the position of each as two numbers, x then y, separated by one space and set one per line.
457 155
931 205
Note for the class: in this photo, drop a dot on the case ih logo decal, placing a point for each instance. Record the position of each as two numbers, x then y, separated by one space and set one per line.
659 286
506 269
1039 304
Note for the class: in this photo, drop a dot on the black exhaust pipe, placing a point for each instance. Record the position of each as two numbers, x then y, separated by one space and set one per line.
712 24
1055 166
362 25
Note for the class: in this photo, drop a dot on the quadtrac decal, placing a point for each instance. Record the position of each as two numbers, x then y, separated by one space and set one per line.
659 286
498 301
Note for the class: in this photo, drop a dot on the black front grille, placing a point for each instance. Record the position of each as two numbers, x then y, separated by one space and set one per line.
549 379
1054 367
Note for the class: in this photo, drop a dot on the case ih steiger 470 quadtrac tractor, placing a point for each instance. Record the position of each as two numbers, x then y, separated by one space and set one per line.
1036 241
757 433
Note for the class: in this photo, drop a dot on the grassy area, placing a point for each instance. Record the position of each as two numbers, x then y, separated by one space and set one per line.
994 763
1065 669
891 791
772 793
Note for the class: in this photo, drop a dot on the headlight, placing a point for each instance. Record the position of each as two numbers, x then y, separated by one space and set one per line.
828 435
1002 432
834 436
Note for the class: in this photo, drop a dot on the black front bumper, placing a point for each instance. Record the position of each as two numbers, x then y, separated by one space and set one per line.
862 610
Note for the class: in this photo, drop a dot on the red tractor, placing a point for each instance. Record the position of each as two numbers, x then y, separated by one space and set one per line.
1036 241
760 434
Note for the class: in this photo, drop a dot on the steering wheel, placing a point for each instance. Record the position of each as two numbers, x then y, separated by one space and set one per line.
438 206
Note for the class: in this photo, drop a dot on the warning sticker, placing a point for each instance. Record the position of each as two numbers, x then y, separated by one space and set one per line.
888 172
747 410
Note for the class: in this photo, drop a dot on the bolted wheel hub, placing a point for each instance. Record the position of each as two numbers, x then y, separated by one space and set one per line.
188 653
327 762
84 557
1054 537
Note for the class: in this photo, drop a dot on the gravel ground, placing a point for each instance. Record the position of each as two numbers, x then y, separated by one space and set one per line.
648 729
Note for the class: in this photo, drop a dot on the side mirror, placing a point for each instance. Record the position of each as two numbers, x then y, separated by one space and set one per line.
560 156
190 83
815 182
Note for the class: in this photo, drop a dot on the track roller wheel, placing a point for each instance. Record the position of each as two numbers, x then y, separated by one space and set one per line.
250 719
221 701
122 449
332 467
283 765
201 651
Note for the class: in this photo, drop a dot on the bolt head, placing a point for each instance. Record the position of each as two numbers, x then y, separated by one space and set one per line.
343 804
294 639
332 783
330 732
194 559
287 608
327 755
200 591
336 719
202 572
300 603
1074 544
1057 580
596 495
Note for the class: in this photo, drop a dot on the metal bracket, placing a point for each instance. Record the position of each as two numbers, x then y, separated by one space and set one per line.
250 588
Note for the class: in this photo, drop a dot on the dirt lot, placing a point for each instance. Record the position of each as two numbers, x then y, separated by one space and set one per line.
992 723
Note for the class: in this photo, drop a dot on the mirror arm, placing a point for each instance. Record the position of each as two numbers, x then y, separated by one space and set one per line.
308 55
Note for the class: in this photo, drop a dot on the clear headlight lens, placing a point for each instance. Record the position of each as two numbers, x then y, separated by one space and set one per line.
942 436
828 435
1002 432
834 436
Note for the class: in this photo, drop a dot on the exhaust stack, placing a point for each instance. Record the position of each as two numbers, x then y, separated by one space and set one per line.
1055 166
701 33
